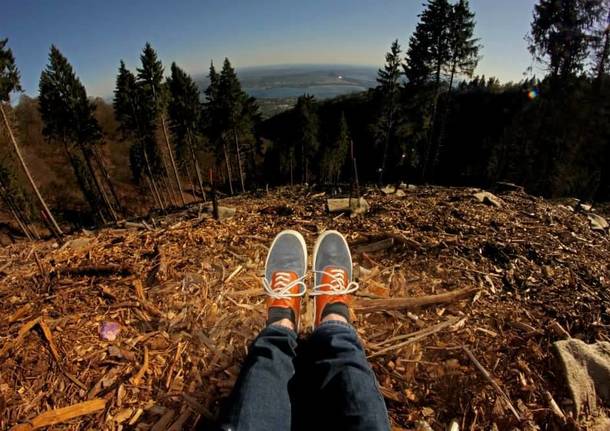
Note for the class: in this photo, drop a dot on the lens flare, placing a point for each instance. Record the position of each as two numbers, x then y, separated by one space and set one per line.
532 94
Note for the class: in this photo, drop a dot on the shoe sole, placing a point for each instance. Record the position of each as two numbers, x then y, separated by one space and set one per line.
304 245
315 254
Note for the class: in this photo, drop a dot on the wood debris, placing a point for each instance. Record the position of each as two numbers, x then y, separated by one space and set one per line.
437 273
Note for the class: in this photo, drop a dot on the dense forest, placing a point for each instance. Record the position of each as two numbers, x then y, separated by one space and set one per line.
66 159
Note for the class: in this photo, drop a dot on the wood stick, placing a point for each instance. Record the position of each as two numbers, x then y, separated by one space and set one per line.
371 305
415 336
57 416
492 381
135 380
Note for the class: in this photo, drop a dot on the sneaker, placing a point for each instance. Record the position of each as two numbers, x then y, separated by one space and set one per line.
332 267
285 271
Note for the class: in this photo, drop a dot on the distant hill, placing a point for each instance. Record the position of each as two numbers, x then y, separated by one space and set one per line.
277 87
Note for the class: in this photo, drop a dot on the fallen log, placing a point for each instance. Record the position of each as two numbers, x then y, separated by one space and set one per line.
371 305
57 416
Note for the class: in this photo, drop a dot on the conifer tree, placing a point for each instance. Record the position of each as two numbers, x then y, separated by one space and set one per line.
214 123
388 79
563 32
307 130
185 117
335 154
68 119
150 79
232 100
9 82
133 118
463 46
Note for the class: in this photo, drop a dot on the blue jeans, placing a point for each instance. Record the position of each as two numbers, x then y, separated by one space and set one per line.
324 383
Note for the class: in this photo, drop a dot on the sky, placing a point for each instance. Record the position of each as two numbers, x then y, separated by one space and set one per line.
95 35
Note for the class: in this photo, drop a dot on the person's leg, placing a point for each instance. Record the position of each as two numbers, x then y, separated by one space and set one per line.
349 397
260 400
346 393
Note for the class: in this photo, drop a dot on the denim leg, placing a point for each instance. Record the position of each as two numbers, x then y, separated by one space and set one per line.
260 400
345 393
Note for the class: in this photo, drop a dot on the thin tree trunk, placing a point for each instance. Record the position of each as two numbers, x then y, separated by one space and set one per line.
4 193
241 171
171 158
55 227
291 177
151 178
230 177
173 199
152 192
196 165
192 181
96 182
106 175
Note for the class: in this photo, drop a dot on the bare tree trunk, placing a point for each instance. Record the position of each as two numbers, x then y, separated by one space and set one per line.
106 175
171 158
96 182
230 177
173 199
55 227
152 192
239 166
152 179
196 165
192 181
5 194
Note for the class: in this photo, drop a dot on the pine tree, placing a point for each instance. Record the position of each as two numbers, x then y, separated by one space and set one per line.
185 117
335 154
150 79
463 46
429 47
214 123
232 100
9 82
388 79
307 131
69 119
133 117
562 34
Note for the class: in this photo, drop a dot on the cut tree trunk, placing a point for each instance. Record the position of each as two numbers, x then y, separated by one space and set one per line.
239 166
55 227
171 158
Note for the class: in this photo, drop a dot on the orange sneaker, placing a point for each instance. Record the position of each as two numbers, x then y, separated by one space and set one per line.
285 271
332 267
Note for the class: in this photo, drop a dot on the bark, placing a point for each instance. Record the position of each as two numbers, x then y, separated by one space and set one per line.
230 177
239 166
54 226
173 199
171 158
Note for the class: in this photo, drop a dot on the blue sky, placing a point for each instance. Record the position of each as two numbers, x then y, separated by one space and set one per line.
95 35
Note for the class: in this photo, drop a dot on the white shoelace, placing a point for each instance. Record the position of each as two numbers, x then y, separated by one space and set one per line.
337 284
283 286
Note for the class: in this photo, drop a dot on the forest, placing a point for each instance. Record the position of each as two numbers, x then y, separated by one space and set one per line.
67 160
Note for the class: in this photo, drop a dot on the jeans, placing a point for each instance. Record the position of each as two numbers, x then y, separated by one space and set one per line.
323 383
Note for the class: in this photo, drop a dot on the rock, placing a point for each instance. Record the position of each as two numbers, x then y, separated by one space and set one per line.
598 222
488 198
355 206
586 369
389 190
